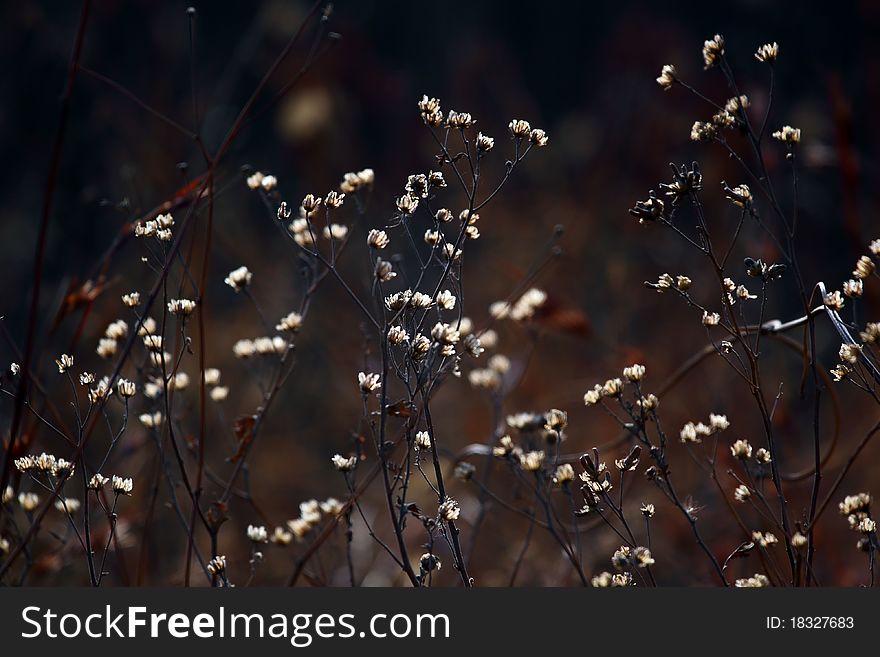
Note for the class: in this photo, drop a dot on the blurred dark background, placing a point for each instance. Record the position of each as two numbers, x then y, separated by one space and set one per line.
582 71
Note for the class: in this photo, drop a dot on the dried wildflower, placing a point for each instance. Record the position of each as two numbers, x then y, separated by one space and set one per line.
740 196
446 300
421 345
688 433
117 330
416 188
334 200
428 562
504 448
798 540
757 581
255 180
436 179
737 103
397 335
219 393
450 252
126 388
532 461
850 352
182 307
353 181
122 486
269 182
217 565
449 510
14 369
647 510
101 391
384 270
683 283
612 388
723 119
833 300
649 210
718 422
602 581
741 449
499 363
764 540
281 537
69 505
538 137
431 112
634 372
743 294
335 232
648 403
519 128
484 143
407 204
840 371
630 462
555 420
257 534
460 120
864 267
867 526
788 135
151 420
871 332
377 239
711 319
742 493
667 77
25 464
369 382
290 323
64 363
853 288
423 440
593 397
642 557
767 53
852 504
563 474
473 346
28 501
762 455
344 464
107 348
148 326
713 49
702 131
97 481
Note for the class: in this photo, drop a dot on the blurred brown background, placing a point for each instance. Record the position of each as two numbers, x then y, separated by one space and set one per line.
582 71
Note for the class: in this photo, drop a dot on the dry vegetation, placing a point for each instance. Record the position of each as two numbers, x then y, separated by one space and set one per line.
125 463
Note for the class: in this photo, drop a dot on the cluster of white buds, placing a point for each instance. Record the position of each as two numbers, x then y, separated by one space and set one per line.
343 463
160 228
239 279
355 180
369 382
181 307
695 432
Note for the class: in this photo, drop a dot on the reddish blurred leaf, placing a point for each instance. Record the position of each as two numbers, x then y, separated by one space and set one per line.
243 426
